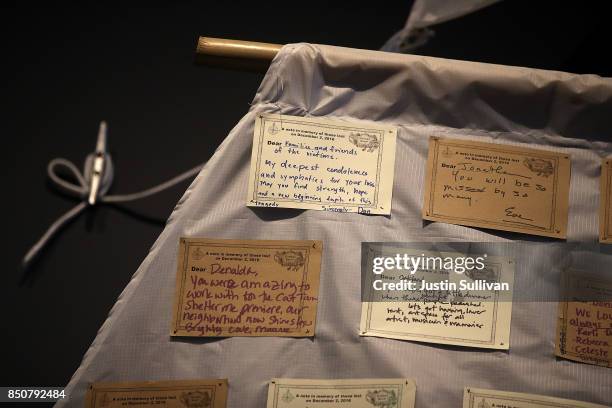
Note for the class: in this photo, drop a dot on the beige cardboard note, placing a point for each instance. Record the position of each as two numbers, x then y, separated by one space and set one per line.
584 328
479 398
497 186
168 394
321 164
246 288
605 208
362 393
461 313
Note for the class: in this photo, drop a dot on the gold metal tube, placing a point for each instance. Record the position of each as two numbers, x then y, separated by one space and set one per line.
235 54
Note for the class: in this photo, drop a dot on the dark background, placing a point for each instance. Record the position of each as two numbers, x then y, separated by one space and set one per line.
66 67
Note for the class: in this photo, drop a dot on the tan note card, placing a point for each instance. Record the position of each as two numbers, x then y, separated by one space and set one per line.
479 398
230 288
497 186
361 393
584 328
321 164
605 208
170 394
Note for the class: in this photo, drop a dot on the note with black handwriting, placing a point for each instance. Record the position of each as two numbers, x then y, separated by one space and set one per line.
479 398
497 186
605 208
472 309
230 288
361 393
321 164
584 328
168 394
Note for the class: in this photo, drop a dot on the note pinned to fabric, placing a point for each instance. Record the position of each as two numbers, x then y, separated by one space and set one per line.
497 186
321 164
362 393
230 288
479 398
584 329
442 306
605 208
169 394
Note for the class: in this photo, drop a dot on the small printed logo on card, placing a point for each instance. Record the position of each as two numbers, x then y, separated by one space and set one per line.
364 141
196 399
541 167
292 260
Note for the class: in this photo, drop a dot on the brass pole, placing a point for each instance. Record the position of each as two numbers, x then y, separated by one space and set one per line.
235 54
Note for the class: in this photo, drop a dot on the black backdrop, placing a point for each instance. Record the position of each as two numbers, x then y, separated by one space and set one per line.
67 67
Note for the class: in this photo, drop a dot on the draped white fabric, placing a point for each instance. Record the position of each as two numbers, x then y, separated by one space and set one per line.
423 97
428 13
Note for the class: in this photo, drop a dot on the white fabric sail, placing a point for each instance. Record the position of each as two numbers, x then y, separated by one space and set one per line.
422 96
428 13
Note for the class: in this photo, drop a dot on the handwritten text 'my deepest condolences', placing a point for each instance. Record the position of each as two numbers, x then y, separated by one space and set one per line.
321 164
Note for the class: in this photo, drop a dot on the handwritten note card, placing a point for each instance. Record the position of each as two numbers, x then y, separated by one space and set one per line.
168 394
447 314
479 398
366 393
497 186
321 164
246 288
605 210
584 329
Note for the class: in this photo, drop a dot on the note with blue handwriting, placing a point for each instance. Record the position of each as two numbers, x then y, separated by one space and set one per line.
497 186
361 393
321 164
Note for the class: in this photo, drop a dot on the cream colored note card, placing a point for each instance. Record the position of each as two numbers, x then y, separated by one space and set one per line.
497 186
321 164
168 394
584 329
605 209
362 393
479 398
230 288
441 306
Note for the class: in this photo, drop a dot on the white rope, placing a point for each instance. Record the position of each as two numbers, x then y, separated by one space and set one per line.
80 189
